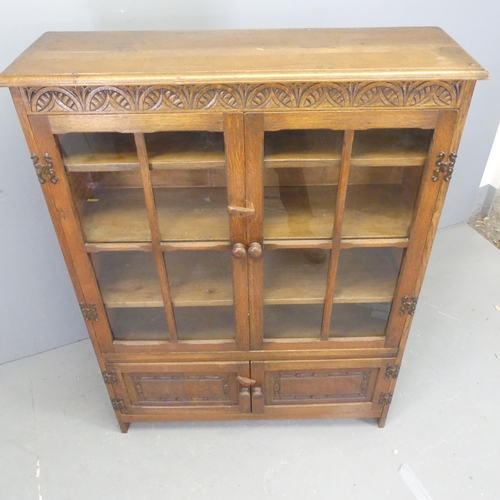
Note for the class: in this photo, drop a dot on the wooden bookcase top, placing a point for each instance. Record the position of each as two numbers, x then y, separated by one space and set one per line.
183 57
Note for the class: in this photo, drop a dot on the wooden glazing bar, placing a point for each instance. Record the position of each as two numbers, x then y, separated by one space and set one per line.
64 124
344 243
155 233
373 242
349 119
118 247
194 245
300 243
337 231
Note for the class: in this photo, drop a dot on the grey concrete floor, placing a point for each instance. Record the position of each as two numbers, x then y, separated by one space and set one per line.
59 439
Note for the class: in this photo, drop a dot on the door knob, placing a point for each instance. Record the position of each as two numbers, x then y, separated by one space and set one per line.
238 251
255 250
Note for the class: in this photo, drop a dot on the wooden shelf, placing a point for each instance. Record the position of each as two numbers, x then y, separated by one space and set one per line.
138 324
371 211
191 214
107 152
364 275
196 278
149 324
322 148
204 278
200 214
304 321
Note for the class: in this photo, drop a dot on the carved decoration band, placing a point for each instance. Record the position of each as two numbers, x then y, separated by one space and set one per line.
279 96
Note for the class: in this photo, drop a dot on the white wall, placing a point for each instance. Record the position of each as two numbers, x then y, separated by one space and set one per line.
37 308
491 175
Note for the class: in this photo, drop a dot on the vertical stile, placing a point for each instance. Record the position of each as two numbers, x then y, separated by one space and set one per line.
254 157
142 155
337 231
236 196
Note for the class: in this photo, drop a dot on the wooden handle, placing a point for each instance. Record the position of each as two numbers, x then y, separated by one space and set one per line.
238 251
244 400
255 250
241 211
245 381
257 400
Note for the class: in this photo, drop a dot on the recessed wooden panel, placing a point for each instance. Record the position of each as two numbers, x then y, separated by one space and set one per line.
176 385
317 387
303 384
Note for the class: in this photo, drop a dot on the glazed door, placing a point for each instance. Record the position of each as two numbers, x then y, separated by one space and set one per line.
144 204
342 204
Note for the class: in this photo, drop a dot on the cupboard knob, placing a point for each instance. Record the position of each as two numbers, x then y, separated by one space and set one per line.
238 251
255 250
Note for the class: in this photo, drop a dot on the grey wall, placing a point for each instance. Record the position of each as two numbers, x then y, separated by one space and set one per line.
38 310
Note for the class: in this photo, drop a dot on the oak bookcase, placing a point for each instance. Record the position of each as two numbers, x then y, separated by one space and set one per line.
246 215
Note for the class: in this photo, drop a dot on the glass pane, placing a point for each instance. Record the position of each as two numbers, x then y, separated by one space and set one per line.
384 178
364 289
103 172
202 293
295 277
301 169
131 292
190 186
359 320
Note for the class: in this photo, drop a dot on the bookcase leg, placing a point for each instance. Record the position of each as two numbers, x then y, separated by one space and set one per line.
381 420
123 426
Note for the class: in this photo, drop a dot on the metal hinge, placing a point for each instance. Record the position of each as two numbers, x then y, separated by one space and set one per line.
118 404
385 398
44 169
109 377
392 371
408 305
445 167
89 311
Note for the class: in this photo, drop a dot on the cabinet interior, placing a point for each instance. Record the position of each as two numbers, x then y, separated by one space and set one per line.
300 176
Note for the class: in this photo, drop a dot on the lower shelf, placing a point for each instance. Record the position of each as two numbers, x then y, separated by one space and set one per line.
304 322
193 324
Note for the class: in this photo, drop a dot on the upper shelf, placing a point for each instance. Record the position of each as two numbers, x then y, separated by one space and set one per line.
114 152
205 150
301 55
322 148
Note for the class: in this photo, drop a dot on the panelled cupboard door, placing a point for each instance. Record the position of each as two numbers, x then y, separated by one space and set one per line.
320 388
181 391
343 201
146 203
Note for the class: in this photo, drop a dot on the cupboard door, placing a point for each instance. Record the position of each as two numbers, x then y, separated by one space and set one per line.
145 205
320 388
343 205
181 391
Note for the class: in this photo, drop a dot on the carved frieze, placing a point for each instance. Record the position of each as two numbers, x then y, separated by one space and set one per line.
280 96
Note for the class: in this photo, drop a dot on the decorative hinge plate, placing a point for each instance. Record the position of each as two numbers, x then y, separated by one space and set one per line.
385 398
109 377
118 404
44 169
392 371
445 167
89 311
408 305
